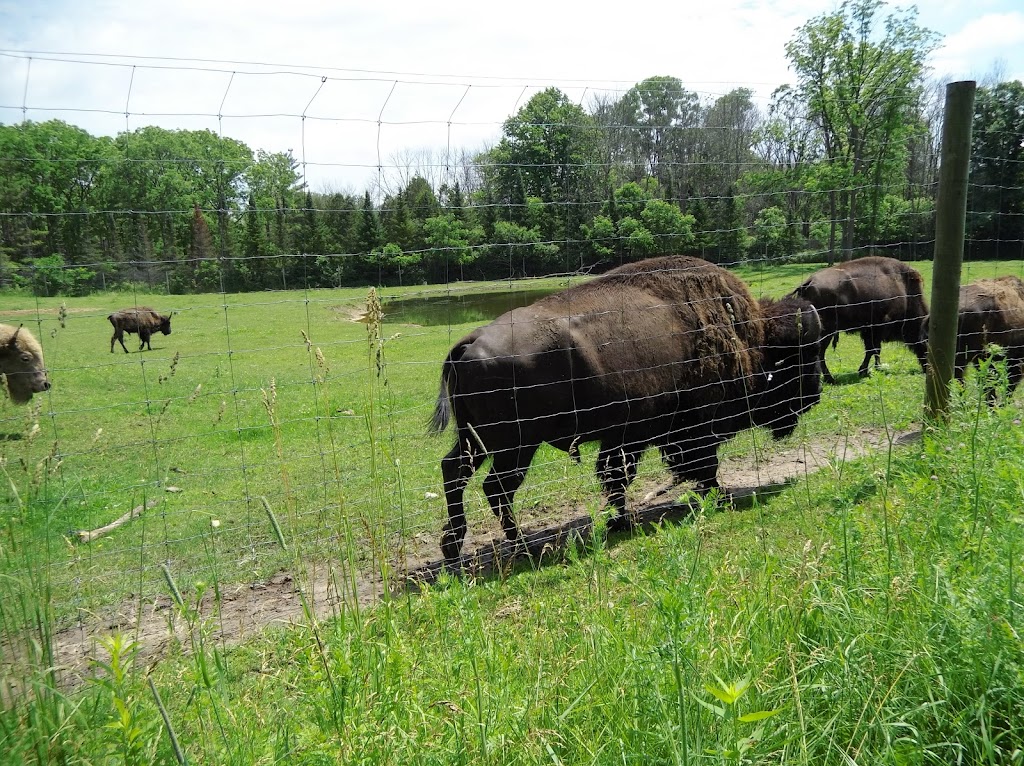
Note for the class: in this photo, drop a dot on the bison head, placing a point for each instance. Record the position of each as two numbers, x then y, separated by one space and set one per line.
789 382
165 325
21 362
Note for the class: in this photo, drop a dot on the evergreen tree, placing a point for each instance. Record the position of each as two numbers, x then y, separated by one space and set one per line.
703 237
368 240
730 231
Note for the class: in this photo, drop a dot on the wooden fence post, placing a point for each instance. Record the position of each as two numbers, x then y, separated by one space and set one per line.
950 223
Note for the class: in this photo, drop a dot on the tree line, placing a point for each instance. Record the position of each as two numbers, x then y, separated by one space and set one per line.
843 159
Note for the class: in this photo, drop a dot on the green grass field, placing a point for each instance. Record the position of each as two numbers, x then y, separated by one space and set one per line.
872 608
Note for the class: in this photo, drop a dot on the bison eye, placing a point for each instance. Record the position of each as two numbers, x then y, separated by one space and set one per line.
26 358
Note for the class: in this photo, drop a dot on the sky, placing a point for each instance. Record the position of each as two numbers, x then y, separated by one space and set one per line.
363 92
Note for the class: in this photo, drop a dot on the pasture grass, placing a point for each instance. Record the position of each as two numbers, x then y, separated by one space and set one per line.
870 612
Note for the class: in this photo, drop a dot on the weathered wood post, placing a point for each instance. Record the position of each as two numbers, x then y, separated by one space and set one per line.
950 223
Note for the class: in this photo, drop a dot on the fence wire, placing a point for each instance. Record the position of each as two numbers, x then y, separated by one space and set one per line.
276 441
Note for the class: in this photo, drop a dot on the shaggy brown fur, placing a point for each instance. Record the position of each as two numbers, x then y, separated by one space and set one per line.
671 352
142 320
879 298
992 313
21 363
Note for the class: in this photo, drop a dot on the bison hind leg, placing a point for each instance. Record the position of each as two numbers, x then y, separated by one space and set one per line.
457 468
508 471
616 469
872 348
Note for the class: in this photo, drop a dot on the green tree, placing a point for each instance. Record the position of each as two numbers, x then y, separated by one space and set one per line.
665 117
312 234
369 238
548 152
50 176
861 85
997 166
731 237
671 229
725 149
452 243
772 233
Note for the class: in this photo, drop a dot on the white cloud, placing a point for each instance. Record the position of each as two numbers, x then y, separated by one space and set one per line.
981 43
435 76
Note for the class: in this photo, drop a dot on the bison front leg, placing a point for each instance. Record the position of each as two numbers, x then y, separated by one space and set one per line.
616 469
822 349
872 348
457 468
144 337
507 474
1014 369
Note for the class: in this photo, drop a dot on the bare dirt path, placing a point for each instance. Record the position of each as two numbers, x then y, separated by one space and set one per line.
246 609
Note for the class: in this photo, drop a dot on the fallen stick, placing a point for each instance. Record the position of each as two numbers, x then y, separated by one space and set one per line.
87 536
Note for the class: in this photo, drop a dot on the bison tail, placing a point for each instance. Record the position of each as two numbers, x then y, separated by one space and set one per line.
442 411
443 407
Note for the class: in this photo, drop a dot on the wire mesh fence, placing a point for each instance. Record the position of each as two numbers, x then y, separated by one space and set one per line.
271 455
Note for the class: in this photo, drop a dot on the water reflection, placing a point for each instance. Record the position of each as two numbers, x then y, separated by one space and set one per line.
459 309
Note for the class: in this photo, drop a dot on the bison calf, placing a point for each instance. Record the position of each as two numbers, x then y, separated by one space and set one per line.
992 314
142 320
21 363
671 352
880 298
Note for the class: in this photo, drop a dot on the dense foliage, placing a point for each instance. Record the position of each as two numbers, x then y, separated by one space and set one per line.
843 160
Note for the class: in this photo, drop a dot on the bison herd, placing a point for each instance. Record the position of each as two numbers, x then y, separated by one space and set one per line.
21 356
675 353
672 353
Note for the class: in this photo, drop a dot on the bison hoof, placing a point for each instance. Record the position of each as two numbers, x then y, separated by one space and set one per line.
621 522
455 565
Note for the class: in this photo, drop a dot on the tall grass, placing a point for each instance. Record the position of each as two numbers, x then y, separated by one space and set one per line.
869 612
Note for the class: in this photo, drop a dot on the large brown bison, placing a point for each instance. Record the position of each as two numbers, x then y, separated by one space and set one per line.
142 320
992 313
21 363
671 352
880 298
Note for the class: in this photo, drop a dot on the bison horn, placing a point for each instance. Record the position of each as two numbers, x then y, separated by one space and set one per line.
14 337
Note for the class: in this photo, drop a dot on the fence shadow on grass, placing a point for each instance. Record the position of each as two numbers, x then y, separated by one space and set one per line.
551 544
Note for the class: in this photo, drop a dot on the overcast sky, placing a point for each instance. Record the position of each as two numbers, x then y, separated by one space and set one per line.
435 75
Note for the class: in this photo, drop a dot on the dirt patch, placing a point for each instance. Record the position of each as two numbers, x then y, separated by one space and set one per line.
329 589
48 312
356 313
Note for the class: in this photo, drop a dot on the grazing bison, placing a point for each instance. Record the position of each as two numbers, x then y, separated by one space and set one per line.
670 352
992 312
880 298
21 363
142 320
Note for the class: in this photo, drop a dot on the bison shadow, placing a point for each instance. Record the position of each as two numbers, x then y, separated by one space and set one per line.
555 543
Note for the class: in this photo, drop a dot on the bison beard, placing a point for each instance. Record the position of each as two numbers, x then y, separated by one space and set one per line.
21 364
992 313
880 298
670 352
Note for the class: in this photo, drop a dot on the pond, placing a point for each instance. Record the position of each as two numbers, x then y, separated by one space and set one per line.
459 308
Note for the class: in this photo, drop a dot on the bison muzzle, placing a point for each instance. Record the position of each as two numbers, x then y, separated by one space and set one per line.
671 352
21 364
